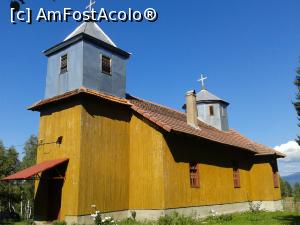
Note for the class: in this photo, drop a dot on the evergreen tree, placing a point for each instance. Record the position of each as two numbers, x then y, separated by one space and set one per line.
297 103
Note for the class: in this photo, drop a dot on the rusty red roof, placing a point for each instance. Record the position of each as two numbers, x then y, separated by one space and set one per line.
34 170
172 120
82 90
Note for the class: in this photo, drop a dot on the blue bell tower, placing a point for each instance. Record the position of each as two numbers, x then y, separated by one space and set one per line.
86 58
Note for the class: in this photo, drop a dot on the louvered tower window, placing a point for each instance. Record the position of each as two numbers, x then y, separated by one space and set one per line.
106 65
64 63
211 110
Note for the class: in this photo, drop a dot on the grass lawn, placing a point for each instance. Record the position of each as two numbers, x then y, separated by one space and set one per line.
260 218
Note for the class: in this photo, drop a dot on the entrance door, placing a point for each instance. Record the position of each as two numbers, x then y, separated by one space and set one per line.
47 202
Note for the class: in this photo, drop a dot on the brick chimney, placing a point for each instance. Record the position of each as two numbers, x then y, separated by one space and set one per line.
191 108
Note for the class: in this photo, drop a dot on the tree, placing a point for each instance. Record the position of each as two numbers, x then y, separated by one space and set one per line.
297 190
30 149
9 164
286 188
297 103
29 159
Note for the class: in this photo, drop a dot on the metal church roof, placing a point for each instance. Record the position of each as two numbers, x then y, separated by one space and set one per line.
204 95
92 29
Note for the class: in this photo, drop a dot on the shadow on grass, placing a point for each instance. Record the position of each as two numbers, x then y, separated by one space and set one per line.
289 219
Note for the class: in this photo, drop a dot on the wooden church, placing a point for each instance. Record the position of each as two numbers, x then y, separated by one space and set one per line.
100 146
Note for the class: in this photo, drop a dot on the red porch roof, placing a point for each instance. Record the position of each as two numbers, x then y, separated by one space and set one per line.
34 170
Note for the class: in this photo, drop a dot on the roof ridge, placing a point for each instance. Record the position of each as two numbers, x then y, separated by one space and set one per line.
177 111
157 104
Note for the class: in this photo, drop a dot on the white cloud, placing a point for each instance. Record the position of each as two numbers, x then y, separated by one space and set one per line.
291 163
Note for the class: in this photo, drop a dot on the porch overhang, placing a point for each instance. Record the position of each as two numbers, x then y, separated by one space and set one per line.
32 173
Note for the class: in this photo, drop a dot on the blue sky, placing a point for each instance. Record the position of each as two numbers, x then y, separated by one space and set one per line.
249 50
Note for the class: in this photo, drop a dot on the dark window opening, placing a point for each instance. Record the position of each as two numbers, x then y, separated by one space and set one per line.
211 110
64 63
236 175
106 64
194 175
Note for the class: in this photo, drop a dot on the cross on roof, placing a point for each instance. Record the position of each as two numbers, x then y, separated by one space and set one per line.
90 5
202 79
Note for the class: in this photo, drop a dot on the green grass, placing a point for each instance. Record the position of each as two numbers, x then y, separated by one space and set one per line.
260 218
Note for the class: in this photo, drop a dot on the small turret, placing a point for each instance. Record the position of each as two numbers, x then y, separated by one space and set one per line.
211 109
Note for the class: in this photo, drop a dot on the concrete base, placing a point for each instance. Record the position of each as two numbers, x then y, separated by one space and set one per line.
197 211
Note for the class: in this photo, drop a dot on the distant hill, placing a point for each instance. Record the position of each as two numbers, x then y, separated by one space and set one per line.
293 178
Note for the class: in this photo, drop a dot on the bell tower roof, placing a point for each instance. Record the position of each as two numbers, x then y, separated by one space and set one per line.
92 29
205 96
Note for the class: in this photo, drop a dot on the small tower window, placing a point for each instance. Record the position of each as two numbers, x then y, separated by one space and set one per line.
106 64
211 110
194 175
64 63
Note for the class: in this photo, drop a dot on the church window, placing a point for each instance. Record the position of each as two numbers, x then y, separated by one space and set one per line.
275 175
106 64
64 63
194 175
211 110
236 175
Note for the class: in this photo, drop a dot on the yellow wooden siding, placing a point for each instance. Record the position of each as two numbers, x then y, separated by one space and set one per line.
119 161
63 121
262 185
146 190
216 180
104 164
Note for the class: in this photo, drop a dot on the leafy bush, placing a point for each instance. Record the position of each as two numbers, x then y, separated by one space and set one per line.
177 219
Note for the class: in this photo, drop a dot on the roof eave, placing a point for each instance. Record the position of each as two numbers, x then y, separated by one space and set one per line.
42 103
277 155
85 37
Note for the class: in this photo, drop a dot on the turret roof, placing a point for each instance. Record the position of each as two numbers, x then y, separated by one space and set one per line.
92 29
204 96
